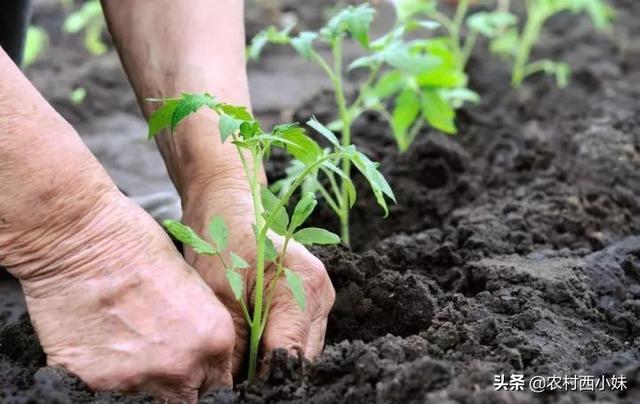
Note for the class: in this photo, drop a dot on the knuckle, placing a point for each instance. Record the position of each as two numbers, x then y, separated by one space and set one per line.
219 340
317 278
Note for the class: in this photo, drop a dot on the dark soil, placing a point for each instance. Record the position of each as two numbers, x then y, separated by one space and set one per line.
514 249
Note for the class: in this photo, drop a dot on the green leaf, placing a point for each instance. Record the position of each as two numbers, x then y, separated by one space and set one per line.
161 118
315 235
491 24
236 282
257 44
303 44
369 61
388 84
188 104
405 112
270 252
228 126
36 42
456 97
445 73
297 288
306 149
186 235
324 131
407 59
437 111
272 35
78 95
237 262
346 181
379 185
235 111
406 9
303 210
249 129
219 233
506 44
269 203
354 20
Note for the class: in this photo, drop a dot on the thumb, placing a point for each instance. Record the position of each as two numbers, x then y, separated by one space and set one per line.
301 333
287 326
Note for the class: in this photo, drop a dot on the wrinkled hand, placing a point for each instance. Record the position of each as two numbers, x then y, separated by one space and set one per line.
287 326
121 309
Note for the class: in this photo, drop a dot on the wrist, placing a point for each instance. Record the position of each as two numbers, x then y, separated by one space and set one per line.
196 158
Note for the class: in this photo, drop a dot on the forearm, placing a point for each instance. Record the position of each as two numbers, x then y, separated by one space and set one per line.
168 47
45 170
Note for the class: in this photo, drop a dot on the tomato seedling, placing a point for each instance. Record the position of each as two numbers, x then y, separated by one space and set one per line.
88 18
516 45
420 78
237 125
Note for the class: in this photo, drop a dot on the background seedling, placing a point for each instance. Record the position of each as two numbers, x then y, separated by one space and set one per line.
516 46
237 125
36 42
420 78
88 18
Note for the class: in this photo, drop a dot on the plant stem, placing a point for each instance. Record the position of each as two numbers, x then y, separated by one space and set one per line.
254 184
346 135
296 183
531 30
458 21
272 283
254 343
467 48
243 306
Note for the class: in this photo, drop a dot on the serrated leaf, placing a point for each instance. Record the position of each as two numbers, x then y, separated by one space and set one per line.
369 61
236 111
405 112
306 149
161 117
437 111
491 24
346 181
324 131
445 73
237 262
186 235
297 288
272 35
315 235
249 129
188 104
388 84
257 44
270 252
236 282
303 44
354 20
506 44
303 210
280 219
376 180
405 58
406 9
219 233
228 126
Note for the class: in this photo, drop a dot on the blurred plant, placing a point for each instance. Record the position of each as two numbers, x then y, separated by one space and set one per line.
420 78
516 45
270 211
35 44
88 18
78 95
